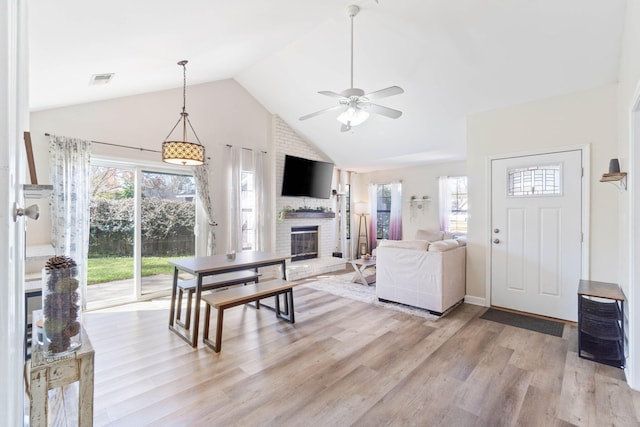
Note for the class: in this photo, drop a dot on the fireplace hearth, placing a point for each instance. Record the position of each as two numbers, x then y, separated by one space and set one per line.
304 242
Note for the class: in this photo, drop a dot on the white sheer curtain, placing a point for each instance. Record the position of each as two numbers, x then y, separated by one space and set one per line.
260 199
444 202
395 217
234 227
70 176
373 223
201 174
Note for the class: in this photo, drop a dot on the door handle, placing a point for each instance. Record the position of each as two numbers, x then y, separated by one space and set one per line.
32 212
496 241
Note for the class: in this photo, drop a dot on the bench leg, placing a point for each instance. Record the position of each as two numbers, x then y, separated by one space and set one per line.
287 313
217 345
207 318
187 319
179 309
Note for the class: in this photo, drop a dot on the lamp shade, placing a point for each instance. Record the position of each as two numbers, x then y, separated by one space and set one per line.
361 208
182 153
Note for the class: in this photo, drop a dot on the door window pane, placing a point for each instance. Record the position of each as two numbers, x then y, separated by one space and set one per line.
543 180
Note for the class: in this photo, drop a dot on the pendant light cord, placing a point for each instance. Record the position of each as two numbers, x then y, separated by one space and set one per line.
184 116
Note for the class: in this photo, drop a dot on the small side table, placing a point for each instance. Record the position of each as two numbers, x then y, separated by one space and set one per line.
44 374
360 265
601 323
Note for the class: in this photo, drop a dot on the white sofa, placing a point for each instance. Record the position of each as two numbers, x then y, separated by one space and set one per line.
422 273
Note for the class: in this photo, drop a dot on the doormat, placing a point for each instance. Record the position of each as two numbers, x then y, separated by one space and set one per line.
531 323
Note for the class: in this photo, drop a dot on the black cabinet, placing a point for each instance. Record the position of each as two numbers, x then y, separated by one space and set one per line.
601 322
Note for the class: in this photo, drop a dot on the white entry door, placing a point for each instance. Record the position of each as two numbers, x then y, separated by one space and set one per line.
536 235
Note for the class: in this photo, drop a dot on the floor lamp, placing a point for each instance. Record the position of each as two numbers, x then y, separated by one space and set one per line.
362 209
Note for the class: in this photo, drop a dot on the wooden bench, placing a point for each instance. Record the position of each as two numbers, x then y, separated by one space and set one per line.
228 298
209 283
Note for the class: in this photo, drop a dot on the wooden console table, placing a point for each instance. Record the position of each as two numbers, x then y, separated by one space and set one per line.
44 374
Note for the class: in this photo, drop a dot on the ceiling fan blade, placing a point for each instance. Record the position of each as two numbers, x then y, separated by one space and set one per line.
317 113
331 94
385 111
383 93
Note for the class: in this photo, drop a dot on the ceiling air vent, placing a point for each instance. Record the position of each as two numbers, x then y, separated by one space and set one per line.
100 79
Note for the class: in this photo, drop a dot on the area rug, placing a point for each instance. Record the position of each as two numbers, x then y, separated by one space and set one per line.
342 285
531 323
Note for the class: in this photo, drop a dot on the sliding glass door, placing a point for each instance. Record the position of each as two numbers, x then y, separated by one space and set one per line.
110 272
168 218
141 217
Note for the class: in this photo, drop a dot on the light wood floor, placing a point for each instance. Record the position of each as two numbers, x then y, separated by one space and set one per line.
348 363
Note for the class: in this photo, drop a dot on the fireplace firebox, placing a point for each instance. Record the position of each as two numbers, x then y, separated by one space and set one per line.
304 242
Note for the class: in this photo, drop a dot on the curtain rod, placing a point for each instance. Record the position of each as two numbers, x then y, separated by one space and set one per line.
244 148
146 149
119 145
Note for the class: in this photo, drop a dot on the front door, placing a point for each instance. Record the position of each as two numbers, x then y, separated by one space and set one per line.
536 233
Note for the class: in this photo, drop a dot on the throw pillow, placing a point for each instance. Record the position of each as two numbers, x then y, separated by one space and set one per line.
429 235
443 245
420 245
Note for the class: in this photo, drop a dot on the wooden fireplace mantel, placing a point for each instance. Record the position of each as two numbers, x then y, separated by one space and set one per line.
293 215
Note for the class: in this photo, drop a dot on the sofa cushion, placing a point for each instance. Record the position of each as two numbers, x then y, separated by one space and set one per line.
443 245
428 235
421 245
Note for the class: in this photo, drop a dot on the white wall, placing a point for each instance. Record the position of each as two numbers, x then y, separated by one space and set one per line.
416 181
221 113
588 117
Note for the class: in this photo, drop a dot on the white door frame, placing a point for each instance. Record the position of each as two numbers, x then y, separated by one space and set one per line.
586 191
13 122
632 370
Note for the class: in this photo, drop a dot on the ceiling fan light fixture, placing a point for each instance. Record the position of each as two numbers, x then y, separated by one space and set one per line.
354 102
353 116
183 153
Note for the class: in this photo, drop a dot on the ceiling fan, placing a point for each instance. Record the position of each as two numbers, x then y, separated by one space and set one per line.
355 103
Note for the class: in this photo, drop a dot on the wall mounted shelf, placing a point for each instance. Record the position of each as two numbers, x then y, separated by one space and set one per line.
35 191
293 215
619 179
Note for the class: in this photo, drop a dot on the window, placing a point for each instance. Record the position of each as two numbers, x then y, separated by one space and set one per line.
347 215
453 203
534 181
383 210
247 206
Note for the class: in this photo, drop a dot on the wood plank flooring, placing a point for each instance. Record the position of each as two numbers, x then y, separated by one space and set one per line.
348 363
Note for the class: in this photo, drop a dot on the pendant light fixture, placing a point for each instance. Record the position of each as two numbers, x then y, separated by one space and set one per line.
183 152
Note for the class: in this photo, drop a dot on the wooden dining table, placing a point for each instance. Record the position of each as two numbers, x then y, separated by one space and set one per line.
201 267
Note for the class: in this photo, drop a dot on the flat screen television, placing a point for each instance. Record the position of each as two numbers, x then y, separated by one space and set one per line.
306 178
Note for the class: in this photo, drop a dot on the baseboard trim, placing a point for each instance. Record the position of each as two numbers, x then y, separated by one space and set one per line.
469 299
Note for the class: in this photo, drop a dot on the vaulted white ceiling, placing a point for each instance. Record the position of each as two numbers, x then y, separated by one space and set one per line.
452 58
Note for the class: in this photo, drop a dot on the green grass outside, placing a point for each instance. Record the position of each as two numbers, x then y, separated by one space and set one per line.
109 269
